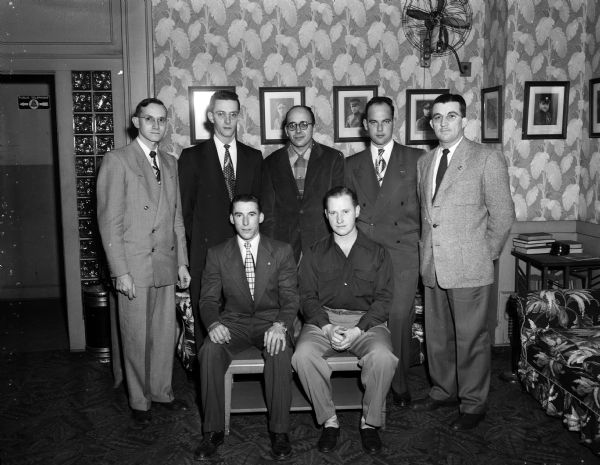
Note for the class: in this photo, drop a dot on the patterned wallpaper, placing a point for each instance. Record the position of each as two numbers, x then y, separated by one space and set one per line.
319 44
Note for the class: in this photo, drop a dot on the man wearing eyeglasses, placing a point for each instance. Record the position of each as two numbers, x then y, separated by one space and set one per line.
466 214
140 221
294 181
211 174
384 177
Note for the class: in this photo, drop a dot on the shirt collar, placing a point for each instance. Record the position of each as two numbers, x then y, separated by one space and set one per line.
387 150
253 246
293 155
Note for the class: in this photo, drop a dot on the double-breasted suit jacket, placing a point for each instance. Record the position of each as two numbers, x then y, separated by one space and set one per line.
389 215
466 226
140 221
142 232
299 221
206 205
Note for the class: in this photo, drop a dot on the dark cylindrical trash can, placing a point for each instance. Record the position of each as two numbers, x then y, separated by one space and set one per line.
96 314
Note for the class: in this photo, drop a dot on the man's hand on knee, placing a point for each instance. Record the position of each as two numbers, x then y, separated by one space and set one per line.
219 334
275 339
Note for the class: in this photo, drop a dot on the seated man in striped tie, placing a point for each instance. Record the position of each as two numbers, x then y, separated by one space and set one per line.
249 297
346 288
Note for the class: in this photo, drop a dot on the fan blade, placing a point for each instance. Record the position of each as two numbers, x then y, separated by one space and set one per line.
415 13
440 6
457 23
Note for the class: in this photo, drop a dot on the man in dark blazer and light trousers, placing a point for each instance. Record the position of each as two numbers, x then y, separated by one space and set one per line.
204 190
467 212
292 195
140 222
384 177
249 298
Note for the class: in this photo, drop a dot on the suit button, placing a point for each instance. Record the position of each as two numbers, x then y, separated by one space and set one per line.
371 224
435 225
172 247
401 203
152 249
395 223
146 207
364 204
153 230
301 212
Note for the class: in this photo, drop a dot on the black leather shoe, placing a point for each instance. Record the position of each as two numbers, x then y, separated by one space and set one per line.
328 439
401 400
370 440
175 405
280 446
208 445
141 417
428 404
467 421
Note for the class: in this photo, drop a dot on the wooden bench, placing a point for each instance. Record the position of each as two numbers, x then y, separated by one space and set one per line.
247 396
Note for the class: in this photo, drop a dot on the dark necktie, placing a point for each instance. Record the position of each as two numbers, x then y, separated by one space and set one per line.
380 166
155 166
441 171
249 267
300 172
229 173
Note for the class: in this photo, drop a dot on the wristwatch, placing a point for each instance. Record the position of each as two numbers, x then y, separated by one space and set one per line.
282 324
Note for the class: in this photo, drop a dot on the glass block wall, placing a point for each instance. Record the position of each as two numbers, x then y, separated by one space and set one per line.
93 130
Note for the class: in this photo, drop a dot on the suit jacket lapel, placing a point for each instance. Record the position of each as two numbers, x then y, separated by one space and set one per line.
264 268
427 181
147 173
394 175
455 168
365 174
312 170
235 267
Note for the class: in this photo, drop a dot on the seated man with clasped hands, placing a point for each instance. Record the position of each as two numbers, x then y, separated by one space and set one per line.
346 288
249 297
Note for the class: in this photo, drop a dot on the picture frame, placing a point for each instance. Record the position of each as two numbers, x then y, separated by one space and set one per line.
418 128
594 107
349 103
199 99
491 114
274 104
545 109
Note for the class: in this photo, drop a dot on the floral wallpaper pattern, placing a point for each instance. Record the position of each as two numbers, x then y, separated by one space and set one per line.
320 44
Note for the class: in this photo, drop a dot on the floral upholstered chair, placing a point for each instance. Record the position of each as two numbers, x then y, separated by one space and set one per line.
560 356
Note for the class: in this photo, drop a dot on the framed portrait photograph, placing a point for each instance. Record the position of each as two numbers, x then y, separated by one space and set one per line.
349 103
491 114
545 110
199 98
274 104
594 107
419 104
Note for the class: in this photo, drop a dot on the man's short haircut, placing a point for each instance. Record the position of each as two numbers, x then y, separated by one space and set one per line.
354 100
309 109
148 101
245 198
378 101
339 191
447 98
222 95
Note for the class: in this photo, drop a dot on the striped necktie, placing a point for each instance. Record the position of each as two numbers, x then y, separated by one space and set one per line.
229 173
155 166
300 172
249 267
380 166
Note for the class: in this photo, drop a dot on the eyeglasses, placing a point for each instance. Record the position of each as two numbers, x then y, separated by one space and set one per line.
450 118
161 120
373 123
224 114
303 125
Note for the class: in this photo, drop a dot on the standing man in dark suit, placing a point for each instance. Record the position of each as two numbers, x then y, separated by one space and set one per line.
384 177
466 212
294 181
139 216
211 173
249 298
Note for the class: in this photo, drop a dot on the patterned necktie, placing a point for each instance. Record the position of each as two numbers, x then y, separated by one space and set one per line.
380 166
155 166
441 171
300 172
228 173
249 267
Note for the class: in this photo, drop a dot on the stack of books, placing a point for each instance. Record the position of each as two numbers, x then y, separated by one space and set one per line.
533 243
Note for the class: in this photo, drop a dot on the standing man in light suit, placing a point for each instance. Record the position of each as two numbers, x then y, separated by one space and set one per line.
466 212
384 177
139 216
211 174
